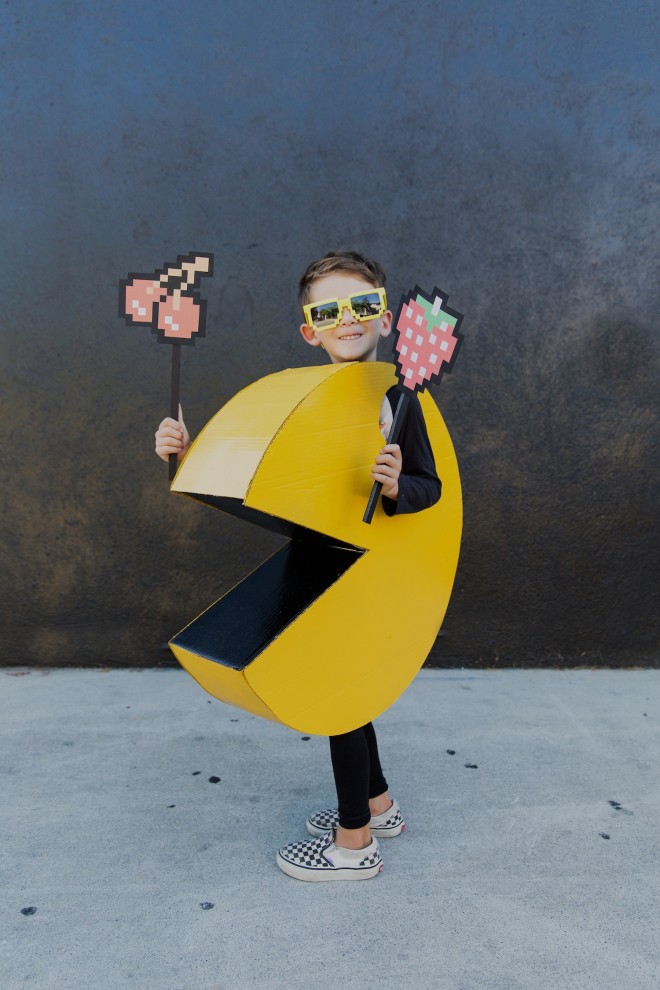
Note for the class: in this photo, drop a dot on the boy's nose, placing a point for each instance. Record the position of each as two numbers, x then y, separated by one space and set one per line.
347 316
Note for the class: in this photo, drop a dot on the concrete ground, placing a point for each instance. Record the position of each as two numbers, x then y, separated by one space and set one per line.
530 860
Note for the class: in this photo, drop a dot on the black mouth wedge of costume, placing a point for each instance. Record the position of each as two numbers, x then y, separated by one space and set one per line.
241 624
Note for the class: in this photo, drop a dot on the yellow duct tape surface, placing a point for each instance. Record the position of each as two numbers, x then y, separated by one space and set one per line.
297 448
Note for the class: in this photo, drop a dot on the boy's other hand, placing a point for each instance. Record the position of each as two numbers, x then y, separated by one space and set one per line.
387 469
172 438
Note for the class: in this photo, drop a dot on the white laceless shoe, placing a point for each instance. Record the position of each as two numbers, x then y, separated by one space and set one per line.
383 826
321 859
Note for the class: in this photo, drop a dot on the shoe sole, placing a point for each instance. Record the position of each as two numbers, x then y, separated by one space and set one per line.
378 833
301 873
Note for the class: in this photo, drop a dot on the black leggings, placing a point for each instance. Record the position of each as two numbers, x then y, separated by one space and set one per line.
358 774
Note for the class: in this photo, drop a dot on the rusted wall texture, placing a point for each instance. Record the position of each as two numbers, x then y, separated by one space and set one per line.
506 152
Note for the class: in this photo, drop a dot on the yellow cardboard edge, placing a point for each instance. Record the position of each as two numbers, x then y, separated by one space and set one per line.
226 454
224 683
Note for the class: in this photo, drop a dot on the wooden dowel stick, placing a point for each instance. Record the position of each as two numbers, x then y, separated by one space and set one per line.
174 399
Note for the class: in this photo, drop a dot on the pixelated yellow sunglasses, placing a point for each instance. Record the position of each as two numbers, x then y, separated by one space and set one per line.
363 305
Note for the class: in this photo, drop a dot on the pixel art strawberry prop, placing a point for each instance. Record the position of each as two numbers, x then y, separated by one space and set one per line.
168 302
426 345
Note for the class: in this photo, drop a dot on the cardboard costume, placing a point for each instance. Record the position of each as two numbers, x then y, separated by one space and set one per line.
318 638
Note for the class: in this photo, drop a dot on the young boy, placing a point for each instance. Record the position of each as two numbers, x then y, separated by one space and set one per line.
343 300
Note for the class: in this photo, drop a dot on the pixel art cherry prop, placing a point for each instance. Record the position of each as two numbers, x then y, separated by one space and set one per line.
426 344
168 301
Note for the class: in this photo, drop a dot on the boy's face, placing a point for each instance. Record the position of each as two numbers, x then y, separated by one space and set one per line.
351 339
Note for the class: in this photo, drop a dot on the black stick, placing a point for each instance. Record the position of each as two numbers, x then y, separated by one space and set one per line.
397 423
174 399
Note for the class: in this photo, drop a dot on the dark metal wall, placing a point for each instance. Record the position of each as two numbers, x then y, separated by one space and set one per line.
505 151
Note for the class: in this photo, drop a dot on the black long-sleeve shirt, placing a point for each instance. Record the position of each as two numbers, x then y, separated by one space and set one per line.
419 485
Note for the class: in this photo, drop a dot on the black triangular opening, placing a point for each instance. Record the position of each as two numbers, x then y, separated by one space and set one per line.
239 626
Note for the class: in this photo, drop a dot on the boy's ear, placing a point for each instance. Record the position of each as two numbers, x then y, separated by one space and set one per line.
386 320
310 335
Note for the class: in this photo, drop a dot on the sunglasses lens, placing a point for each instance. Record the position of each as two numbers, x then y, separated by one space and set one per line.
325 315
366 305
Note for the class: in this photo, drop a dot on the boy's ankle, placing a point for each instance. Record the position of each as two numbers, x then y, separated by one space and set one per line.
379 805
353 838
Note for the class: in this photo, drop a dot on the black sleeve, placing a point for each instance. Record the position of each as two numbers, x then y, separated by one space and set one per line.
419 485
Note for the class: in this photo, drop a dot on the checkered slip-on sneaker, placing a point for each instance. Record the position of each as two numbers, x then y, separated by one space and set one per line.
382 826
321 859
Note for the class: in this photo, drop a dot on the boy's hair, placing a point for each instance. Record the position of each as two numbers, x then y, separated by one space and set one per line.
341 261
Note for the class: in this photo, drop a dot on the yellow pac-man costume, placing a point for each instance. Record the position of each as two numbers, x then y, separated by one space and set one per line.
317 638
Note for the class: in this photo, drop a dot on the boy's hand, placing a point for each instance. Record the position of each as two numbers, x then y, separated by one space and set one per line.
387 469
172 438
